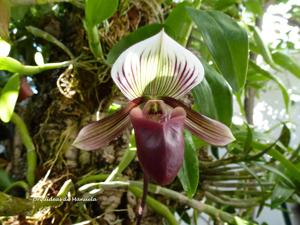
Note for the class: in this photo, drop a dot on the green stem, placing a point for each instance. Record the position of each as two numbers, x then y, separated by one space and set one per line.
241 105
27 141
48 37
13 65
91 178
94 41
188 29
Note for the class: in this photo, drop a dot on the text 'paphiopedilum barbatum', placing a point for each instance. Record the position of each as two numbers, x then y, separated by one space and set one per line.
153 74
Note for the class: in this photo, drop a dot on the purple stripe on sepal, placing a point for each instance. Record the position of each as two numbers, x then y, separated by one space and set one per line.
98 134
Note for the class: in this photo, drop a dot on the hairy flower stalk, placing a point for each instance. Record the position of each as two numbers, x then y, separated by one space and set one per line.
153 74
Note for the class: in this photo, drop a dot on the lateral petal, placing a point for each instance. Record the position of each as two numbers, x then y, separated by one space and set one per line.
98 134
157 66
209 130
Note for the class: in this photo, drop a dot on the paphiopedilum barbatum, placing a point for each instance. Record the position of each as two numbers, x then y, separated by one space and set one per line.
153 74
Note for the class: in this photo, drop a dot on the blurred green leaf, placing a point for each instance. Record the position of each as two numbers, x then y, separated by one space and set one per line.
189 172
5 180
254 6
98 10
134 37
285 136
213 96
287 62
279 174
8 97
4 18
240 221
223 4
291 170
227 43
180 29
261 47
10 64
284 92
18 12
280 194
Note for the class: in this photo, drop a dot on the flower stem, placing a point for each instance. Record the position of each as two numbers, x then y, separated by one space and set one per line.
156 206
143 202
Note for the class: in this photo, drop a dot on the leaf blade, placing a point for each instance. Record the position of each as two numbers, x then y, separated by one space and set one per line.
189 172
213 96
227 43
134 37
287 62
98 10
8 98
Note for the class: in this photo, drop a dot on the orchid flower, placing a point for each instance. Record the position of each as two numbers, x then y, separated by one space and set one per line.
154 74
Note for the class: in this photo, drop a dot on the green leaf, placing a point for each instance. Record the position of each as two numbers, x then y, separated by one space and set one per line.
227 43
134 37
98 10
285 135
5 180
240 221
291 170
280 194
270 76
10 64
204 102
180 29
213 96
279 174
8 97
261 47
223 4
287 62
255 6
189 172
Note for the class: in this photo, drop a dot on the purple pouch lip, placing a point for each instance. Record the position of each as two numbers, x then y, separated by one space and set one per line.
160 142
